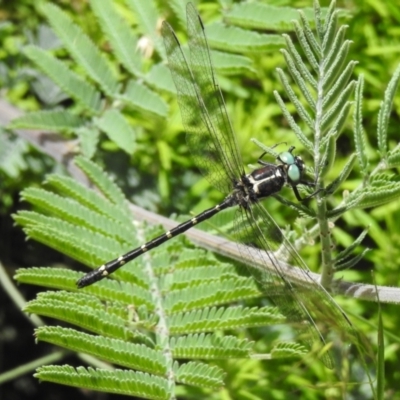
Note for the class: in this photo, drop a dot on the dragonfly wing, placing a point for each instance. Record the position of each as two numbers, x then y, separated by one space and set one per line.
195 116
222 134
301 299
209 132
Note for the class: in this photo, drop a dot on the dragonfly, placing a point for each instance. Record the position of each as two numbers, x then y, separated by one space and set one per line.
212 141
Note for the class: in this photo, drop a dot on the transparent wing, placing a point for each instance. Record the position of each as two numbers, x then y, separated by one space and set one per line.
213 145
303 300
209 132
222 134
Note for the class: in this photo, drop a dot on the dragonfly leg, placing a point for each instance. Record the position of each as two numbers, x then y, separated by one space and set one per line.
272 147
309 184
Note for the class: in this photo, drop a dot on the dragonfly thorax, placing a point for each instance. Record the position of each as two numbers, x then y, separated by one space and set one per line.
266 181
269 179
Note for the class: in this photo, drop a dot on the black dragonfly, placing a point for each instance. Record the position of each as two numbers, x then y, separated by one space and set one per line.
212 141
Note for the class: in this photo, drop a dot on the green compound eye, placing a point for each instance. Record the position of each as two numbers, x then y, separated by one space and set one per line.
294 173
286 158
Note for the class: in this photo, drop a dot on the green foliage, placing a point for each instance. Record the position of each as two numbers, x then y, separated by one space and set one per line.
126 87
117 129
182 317
97 69
104 99
57 120
373 48
117 381
122 39
323 75
70 82
264 16
81 48
237 39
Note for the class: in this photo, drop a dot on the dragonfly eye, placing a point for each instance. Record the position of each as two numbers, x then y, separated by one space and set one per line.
294 173
286 158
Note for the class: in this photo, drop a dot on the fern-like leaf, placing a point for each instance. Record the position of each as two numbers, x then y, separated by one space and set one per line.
384 112
54 120
284 349
143 99
199 374
82 48
264 16
209 347
230 38
76 87
209 319
122 40
131 355
125 382
105 184
117 129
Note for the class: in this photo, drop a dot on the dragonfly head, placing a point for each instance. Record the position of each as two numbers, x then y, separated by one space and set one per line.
293 165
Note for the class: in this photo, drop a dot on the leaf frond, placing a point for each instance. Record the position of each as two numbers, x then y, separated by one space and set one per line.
51 120
335 184
210 319
202 375
341 256
119 34
68 187
210 346
384 111
209 294
86 312
117 381
351 262
359 137
70 82
103 182
288 349
81 48
131 355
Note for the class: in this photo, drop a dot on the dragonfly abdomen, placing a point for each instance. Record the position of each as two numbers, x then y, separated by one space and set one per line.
111 266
